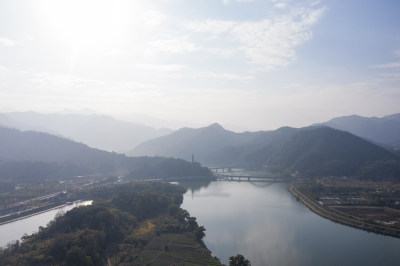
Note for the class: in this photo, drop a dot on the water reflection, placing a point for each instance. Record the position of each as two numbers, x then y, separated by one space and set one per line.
270 227
260 183
195 185
270 243
15 230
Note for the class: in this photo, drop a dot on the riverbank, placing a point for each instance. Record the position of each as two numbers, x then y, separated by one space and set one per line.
37 211
341 217
135 224
28 213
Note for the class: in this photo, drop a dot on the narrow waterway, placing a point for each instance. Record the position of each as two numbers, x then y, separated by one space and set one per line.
266 224
15 230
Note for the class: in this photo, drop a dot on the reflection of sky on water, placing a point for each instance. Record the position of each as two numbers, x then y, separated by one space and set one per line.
241 225
207 195
270 227
272 245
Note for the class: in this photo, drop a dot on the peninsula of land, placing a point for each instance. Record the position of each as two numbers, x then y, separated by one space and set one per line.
139 223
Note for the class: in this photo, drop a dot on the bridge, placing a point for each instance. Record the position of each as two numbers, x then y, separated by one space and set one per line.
249 178
225 169
228 173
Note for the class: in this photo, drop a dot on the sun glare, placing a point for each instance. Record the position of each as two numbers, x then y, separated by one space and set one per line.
88 21
90 26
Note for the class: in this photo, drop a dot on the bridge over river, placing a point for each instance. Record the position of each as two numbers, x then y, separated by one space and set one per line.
227 177
225 169
238 174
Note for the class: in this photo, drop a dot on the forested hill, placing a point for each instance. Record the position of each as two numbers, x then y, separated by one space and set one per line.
311 151
187 141
134 224
32 155
212 144
385 130
37 146
98 131
325 151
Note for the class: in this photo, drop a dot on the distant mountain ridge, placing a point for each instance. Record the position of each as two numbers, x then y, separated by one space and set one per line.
187 141
35 156
97 131
385 130
323 151
212 144
37 146
312 151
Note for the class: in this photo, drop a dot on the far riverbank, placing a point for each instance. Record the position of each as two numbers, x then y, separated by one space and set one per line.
341 217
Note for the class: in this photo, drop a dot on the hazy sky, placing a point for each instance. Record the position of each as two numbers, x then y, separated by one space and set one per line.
255 64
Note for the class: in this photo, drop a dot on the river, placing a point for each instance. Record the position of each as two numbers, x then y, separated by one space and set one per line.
262 221
15 230
266 224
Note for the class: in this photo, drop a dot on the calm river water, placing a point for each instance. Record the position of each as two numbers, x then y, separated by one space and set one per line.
262 221
15 230
266 224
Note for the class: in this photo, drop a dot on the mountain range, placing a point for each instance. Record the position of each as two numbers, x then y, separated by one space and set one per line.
312 151
385 130
317 150
98 131
33 155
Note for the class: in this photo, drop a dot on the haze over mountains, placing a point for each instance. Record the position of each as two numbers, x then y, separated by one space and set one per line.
102 132
212 144
37 156
312 151
323 151
207 142
385 130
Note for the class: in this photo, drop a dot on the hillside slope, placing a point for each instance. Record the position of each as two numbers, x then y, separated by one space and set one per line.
102 132
385 130
311 151
33 155
187 141
325 151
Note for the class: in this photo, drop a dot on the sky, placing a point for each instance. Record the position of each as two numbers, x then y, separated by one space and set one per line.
247 64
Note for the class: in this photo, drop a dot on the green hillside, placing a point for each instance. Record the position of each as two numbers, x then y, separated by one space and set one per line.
325 151
141 223
29 156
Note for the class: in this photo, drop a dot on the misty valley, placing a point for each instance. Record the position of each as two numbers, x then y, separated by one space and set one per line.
201 196
212 132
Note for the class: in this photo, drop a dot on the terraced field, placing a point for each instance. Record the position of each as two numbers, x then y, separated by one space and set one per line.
164 248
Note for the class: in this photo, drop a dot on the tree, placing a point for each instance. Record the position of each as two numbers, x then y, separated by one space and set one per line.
76 256
199 232
238 260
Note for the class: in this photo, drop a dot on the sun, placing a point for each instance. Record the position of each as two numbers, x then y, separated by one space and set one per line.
88 21
90 27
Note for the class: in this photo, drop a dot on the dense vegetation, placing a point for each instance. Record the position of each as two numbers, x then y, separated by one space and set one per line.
238 260
126 229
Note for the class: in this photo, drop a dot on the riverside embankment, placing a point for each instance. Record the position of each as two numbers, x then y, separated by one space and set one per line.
341 217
